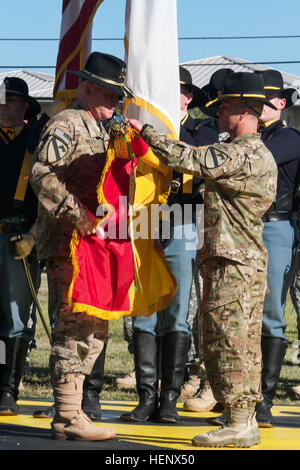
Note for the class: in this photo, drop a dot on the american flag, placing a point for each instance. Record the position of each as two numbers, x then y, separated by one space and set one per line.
75 44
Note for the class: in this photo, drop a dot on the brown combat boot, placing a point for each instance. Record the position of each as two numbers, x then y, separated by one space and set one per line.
190 387
296 390
129 381
252 419
202 401
70 422
241 430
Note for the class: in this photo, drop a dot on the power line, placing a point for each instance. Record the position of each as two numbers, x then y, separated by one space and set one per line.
296 36
245 63
27 66
181 38
187 63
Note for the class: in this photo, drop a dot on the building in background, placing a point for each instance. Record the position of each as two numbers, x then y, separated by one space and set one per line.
41 84
202 69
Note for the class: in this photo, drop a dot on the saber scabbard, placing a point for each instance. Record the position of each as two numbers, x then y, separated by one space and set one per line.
36 300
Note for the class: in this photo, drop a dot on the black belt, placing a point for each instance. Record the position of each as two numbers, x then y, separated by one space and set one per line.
14 224
175 186
276 216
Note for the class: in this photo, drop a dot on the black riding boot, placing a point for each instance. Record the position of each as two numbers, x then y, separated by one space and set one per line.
174 352
273 352
92 387
146 366
11 374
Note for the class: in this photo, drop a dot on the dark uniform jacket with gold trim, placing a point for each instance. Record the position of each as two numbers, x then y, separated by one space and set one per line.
284 144
12 153
193 134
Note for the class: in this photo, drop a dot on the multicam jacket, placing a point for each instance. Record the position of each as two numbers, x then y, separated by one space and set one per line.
64 174
240 185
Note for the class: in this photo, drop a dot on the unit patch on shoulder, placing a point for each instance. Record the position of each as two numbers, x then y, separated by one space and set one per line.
214 158
57 146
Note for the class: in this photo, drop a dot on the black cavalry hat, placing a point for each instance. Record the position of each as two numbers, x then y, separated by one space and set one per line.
107 71
213 90
16 86
274 83
185 78
243 85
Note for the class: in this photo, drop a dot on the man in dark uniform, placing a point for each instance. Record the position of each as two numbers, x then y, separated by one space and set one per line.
279 235
18 206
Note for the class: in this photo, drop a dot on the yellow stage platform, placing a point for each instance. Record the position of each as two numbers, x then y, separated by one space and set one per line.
25 432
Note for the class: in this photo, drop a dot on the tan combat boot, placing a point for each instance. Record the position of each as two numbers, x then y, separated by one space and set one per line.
129 381
70 422
296 390
252 419
203 400
241 430
190 387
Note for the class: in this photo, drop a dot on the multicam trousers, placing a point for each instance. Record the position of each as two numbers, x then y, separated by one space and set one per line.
232 305
78 338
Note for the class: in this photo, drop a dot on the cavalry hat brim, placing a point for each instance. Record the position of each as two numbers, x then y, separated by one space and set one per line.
116 87
245 96
289 94
198 97
34 106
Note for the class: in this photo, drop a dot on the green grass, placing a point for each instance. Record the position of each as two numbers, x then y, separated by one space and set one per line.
119 362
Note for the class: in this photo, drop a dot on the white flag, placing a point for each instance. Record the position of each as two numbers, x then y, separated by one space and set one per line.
151 54
2 95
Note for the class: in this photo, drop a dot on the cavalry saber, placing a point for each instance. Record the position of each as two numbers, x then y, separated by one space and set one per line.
36 300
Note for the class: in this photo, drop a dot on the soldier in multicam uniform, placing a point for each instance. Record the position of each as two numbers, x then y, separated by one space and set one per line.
240 185
66 170
202 398
165 336
279 236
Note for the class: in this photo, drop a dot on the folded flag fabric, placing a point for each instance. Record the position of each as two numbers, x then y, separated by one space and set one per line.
120 270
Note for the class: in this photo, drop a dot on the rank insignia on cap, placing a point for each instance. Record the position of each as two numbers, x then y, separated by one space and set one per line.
214 158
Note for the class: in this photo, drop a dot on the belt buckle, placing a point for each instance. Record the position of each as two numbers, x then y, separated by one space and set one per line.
177 186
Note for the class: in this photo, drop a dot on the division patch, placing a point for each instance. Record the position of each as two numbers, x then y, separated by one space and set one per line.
57 146
56 150
214 158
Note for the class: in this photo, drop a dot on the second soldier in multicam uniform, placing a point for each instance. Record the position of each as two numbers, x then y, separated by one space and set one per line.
240 179
66 170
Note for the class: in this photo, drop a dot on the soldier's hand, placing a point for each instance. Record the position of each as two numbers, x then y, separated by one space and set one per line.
86 224
136 124
24 244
